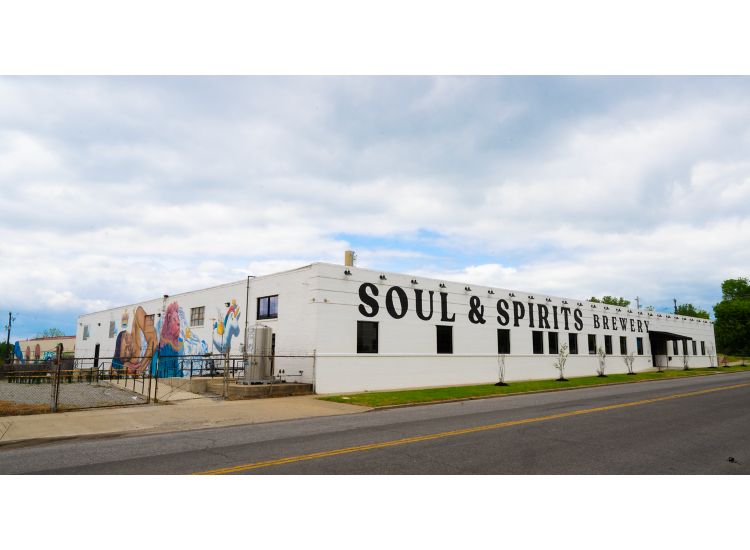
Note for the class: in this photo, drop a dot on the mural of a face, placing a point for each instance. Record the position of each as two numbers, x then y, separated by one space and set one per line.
134 349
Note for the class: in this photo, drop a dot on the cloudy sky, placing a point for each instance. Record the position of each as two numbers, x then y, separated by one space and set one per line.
117 190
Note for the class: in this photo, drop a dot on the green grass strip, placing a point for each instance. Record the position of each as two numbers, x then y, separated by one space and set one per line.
407 397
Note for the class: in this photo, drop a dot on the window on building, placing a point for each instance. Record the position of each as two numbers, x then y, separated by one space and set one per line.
695 347
197 316
149 321
623 345
573 343
503 341
684 347
592 344
552 340
268 307
367 337
703 348
444 339
674 347
111 329
639 345
85 332
608 344
537 341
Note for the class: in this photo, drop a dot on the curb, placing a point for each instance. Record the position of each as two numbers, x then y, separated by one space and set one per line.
551 390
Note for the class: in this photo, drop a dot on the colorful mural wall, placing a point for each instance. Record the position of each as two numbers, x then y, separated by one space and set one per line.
159 346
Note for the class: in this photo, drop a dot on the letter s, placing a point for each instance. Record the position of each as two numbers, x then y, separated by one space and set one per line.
578 316
369 300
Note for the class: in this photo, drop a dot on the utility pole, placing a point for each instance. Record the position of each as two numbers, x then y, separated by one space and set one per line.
637 302
675 305
7 339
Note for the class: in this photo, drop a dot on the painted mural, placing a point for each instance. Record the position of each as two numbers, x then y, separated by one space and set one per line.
160 347
226 327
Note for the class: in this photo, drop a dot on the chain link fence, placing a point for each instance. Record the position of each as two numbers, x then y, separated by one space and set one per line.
65 384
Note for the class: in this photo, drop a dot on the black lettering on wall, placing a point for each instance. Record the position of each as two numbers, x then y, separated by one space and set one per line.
368 300
543 315
646 323
403 302
420 308
614 323
578 316
554 317
596 321
640 326
624 323
566 312
502 308
444 309
476 311
531 315
632 325
605 322
518 312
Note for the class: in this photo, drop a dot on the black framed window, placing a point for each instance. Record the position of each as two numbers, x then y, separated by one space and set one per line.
623 345
367 337
197 316
674 347
268 307
684 347
608 344
537 341
444 339
85 334
695 347
112 330
573 343
592 344
503 341
639 345
552 340
703 348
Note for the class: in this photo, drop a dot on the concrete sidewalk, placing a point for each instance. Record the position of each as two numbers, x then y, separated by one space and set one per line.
179 416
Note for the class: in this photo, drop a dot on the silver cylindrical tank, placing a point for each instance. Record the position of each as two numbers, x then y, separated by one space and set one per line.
260 355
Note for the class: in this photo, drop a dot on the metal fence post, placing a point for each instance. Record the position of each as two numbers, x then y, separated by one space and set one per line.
225 392
315 354
54 397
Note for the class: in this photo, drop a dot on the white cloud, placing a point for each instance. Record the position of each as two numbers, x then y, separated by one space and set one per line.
118 188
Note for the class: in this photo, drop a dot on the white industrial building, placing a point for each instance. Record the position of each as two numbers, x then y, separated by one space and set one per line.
371 330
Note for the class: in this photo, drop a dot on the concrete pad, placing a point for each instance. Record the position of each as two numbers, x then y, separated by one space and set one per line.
178 416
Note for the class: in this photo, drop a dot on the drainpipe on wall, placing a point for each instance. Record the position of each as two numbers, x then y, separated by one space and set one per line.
247 316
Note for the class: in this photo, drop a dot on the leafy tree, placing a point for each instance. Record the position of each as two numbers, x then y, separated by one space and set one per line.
50 333
610 300
734 289
692 311
733 317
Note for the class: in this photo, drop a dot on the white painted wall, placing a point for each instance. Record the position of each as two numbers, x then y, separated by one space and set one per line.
319 310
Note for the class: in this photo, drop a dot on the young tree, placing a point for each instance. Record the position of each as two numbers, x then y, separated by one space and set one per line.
711 356
685 361
602 357
692 311
562 358
501 370
629 360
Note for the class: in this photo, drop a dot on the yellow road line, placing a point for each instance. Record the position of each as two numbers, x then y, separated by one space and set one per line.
461 431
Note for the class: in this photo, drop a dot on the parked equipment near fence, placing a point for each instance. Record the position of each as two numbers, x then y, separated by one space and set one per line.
261 355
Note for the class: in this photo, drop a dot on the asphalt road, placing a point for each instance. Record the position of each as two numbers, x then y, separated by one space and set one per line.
683 426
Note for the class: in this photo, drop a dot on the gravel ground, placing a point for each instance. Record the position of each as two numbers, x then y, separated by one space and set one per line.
71 395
